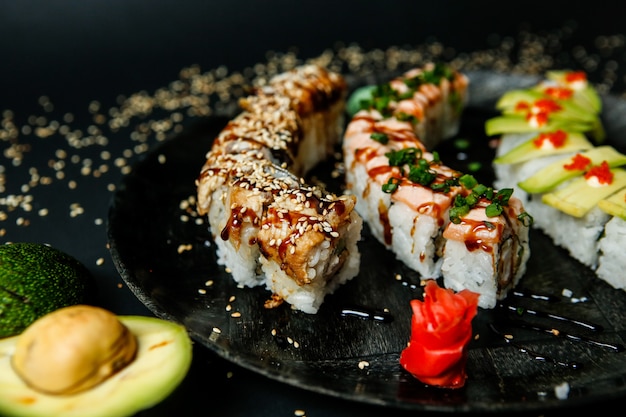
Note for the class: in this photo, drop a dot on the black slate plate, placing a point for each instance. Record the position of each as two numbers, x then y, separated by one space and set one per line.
322 352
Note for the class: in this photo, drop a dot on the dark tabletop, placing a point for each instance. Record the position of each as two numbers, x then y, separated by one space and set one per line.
70 68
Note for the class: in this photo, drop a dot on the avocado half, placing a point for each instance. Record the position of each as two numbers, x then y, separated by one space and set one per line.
36 279
163 359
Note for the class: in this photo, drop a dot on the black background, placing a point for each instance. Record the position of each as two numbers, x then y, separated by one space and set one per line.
77 51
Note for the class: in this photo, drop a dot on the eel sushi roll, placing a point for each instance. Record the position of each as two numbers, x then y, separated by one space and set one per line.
436 220
272 229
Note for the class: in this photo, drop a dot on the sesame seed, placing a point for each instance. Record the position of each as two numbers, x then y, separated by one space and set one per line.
184 248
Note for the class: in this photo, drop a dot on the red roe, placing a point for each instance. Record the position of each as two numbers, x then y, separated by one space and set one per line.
575 76
539 111
557 139
579 163
602 173
559 93
546 105
441 329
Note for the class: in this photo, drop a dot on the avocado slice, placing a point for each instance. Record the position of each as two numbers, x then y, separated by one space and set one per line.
615 205
579 197
360 96
587 96
573 109
36 279
554 174
518 124
569 109
163 359
575 141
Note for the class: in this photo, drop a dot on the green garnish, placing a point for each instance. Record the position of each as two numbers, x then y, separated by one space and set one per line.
421 173
405 117
468 181
380 137
474 166
462 205
383 95
459 209
493 210
391 186
403 157
461 144
526 219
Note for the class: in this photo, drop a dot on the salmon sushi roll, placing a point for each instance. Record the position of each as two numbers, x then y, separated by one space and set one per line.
436 220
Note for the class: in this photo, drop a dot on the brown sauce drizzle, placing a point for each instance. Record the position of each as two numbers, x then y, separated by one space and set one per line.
238 215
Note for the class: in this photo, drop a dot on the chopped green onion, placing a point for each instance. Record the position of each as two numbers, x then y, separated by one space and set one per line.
403 156
468 181
526 219
474 166
380 137
493 210
391 186
503 196
462 144
457 212
421 173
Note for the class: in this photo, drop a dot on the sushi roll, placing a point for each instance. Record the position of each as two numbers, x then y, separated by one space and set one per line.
572 186
520 155
406 216
487 254
272 229
418 207
430 99
612 263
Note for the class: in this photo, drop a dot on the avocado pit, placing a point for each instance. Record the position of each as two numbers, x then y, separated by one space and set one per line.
73 349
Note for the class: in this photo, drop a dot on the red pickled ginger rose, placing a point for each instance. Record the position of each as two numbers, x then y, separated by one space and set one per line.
441 329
